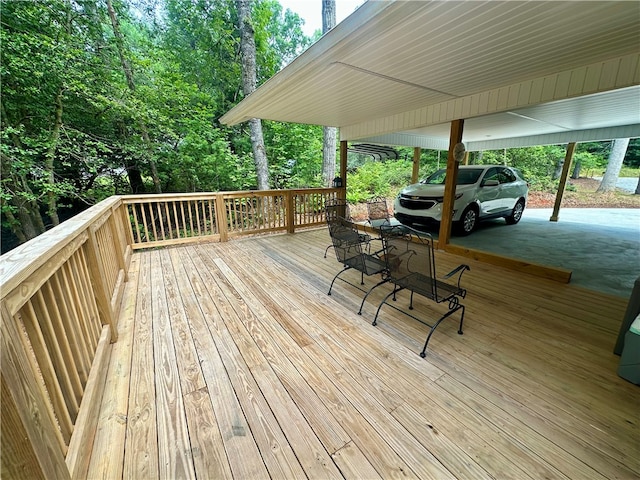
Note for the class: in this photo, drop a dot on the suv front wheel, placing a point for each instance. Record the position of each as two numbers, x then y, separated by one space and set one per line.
468 221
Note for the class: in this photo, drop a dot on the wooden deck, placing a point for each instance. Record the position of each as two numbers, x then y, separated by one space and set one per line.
232 362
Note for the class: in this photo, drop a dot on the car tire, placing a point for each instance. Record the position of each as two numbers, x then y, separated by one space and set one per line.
516 214
468 221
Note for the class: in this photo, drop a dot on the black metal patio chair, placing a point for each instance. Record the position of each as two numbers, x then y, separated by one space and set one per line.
338 211
378 213
351 255
410 265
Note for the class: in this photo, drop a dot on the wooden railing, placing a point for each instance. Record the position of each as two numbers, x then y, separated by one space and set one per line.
160 220
60 302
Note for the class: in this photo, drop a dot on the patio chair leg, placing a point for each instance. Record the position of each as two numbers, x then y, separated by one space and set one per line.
327 249
461 320
411 301
335 278
370 290
424 349
395 290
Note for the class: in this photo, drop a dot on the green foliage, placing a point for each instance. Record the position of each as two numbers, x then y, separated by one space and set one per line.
374 179
183 56
295 154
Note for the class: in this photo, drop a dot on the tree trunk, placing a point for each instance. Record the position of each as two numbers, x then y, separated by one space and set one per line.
576 170
329 133
329 155
616 157
117 34
128 73
27 222
135 180
52 201
637 192
249 82
558 169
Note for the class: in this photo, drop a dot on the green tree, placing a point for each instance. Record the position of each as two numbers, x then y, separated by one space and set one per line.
48 64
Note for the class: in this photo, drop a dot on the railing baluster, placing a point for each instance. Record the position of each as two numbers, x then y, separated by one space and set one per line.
69 318
168 220
137 236
53 342
62 337
79 309
143 214
47 370
176 220
91 297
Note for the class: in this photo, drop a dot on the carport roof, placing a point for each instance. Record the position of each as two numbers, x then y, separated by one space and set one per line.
519 73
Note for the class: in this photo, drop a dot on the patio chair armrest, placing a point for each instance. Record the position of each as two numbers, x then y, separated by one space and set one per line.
461 269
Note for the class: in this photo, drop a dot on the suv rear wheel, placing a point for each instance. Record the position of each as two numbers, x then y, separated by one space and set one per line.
516 214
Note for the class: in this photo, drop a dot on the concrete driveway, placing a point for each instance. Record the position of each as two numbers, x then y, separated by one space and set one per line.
600 246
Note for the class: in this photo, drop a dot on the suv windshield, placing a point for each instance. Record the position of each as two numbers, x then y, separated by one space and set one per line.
468 176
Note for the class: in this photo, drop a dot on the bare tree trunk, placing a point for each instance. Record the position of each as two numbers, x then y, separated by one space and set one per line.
616 157
117 34
27 222
329 141
558 169
128 73
249 81
52 201
329 133
637 192
576 170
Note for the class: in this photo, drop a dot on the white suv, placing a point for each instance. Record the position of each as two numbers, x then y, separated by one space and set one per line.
482 192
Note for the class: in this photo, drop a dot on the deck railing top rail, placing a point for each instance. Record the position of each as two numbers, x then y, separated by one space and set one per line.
18 264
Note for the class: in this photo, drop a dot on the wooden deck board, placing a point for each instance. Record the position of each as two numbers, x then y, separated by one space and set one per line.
233 362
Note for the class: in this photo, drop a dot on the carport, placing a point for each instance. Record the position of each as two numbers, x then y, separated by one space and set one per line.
479 75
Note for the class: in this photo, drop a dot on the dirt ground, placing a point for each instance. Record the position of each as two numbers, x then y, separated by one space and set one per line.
585 196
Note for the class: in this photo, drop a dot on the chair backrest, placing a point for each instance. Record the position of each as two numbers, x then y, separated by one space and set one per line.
345 240
378 212
410 259
335 209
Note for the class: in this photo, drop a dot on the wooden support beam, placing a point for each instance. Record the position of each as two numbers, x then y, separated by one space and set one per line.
415 173
343 167
455 137
571 147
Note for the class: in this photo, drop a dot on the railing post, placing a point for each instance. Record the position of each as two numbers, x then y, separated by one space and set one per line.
126 223
119 249
291 210
97 274
221 217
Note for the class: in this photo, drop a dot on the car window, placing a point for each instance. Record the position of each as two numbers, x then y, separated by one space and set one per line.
492 174
436 178
506 176
467 176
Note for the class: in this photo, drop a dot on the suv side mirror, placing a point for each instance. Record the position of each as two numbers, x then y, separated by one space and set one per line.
491 183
